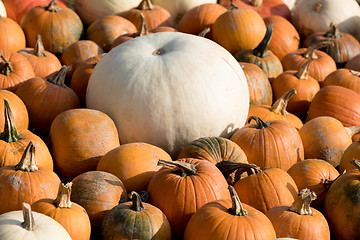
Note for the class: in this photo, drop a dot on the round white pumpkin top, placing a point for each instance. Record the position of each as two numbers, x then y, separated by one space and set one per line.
2 9
170 88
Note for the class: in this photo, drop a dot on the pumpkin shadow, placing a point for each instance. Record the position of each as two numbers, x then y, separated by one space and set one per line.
228 131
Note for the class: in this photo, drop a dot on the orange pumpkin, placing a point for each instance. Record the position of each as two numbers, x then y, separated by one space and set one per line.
20 113
25 182
352 152
344 77
70 215
12 36
133 163
45 98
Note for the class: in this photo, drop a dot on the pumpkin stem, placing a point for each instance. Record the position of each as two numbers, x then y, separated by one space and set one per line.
186 169
53 7
27 161
355 73
63 198
256 3
227 167
310 53
204 32
10 134
143 30
232 5
137 204
303 72
39 49
262 49
237 208
333 32
29 223
279 107
145 5
317 7
352 130
356 162
301 204
5 67
260 124
59 77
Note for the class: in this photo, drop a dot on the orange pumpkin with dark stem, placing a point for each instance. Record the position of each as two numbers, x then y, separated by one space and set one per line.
14 69
133 163
78 52
277 111
25 182
342 205
285 38
105 30
135 220
45 98
181 187
258 83
326 138
299 220
78 145
20 114
238 28
315 174
344 77
81 76
154 15
43 62
270 144
224 219
262 57
266 189
58 26
70 215
265 8
97 192
343 45
13 143
305 86
216 150
12 37
200 17
321 66
337 102
352 152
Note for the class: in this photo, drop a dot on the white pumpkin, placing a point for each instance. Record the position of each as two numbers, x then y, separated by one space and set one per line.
90 10
2 9
311 16
168 89
24 224
177 8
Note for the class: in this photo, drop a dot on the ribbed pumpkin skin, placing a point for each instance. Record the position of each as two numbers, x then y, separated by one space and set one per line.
75 219
57 29
133 163
238 29
319 68
19 111
18 187
325 138
80 78
291 224
267 189
276 146
12 37
343 77
337 102
214 150
78 145
259 85
22 71
311 174
97 192
124 223
198 18
342 206
180 197
213 222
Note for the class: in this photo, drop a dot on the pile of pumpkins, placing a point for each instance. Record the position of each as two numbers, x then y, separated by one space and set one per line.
179 119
